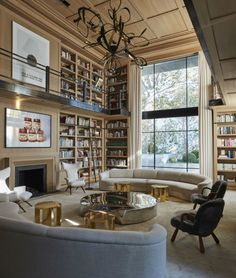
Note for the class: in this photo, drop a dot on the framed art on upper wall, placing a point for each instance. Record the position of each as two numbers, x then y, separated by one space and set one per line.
24 129
35 52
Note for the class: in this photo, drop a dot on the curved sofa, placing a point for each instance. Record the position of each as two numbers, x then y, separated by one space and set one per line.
181 184
33 250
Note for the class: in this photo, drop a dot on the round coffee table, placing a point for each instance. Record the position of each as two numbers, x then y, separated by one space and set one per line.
128 207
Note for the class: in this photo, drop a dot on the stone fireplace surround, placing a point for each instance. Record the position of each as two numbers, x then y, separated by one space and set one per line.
50 163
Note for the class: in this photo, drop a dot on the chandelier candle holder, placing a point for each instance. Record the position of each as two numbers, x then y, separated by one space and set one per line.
111 36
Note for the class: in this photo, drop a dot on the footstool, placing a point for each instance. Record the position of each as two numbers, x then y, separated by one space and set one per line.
122 187
92 218
160 192
48 213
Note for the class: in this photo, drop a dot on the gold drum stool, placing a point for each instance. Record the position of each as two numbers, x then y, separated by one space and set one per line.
122 187
160 192
94 218
48 213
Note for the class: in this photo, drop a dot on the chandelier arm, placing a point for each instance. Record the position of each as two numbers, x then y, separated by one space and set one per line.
116 10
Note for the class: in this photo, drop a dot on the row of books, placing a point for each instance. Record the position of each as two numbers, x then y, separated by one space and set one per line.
226 118
227 130
223 178
116 162
226 167
227 154
66 154
227 142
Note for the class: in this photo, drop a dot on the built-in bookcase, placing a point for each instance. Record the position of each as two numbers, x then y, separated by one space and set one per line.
81 79
225 146
117 92
117 133
81 140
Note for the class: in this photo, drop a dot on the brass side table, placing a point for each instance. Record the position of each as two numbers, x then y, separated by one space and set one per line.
93 218
48 213
160 192
122 187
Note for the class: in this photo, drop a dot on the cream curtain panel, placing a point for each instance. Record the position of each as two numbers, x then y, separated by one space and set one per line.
205 119
136 117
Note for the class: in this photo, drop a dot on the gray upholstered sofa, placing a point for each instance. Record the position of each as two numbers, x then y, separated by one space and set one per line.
181 184
30 250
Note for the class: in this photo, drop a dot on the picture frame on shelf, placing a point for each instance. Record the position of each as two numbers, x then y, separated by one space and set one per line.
25 129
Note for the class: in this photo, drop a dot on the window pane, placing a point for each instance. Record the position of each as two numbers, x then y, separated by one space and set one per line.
167 124
170 149
148 150
192 81
170 84
193 149
147 88
148 125
193 123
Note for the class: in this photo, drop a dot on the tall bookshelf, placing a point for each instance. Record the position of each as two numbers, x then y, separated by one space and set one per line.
225 146
81 141
81 79
117 92
68 73
67 137
117 144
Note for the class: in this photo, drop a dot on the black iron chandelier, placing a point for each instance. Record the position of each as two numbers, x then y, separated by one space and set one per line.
111 36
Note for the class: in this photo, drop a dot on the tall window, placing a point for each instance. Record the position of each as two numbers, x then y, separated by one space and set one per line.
170 115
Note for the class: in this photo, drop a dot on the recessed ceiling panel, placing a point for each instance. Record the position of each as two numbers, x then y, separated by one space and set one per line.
167 24
150 8
225 38
229 69
221 8
138 27
134 15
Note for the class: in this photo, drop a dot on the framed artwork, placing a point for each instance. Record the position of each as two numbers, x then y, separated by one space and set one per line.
25 129
35 49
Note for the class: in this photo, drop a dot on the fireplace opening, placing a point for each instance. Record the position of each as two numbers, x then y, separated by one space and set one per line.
33 177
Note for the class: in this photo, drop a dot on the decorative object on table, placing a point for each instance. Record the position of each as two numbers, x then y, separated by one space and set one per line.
111 35
217 191
201 223
35 52
18 195
160 192
99 219
27 129
48 213
73 179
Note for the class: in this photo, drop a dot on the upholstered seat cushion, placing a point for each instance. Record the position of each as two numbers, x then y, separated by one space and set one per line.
77 182
186 225
25 196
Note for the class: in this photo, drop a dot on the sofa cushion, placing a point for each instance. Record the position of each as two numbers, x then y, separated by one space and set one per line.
145 174
111 181
168 175
191 178
174 184
118 173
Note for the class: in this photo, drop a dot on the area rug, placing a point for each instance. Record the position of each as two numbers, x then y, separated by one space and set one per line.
183 256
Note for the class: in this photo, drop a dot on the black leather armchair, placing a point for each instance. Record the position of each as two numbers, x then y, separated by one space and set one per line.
202 223
217 191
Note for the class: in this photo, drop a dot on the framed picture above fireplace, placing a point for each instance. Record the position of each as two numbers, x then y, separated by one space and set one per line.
24 129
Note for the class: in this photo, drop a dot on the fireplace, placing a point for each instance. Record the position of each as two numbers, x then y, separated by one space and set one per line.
34 177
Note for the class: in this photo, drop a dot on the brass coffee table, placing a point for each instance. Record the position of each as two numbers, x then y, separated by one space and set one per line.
127 207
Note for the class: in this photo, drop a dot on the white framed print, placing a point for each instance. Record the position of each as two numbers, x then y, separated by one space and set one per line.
35 50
